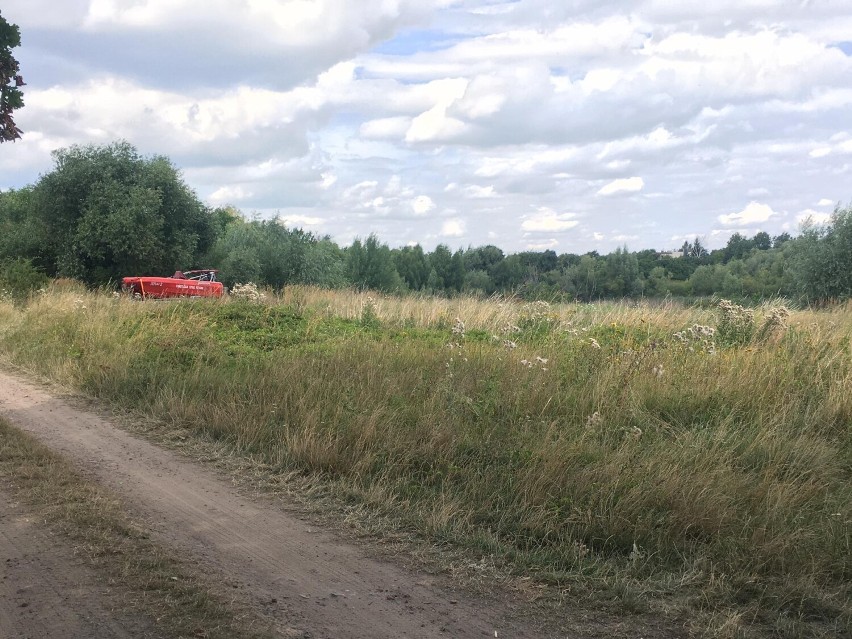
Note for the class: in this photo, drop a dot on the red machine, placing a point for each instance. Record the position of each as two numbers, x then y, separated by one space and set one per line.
200 283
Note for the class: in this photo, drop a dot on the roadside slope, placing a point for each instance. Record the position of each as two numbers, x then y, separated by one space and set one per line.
309 581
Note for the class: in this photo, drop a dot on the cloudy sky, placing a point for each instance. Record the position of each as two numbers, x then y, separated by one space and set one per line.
530 124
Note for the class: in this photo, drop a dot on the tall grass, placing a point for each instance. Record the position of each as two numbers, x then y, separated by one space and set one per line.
584 445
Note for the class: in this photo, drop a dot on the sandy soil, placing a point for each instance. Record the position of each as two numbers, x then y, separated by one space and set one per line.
312 583
45 592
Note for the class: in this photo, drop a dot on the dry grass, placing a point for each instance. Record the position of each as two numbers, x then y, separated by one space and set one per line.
158 585
580 444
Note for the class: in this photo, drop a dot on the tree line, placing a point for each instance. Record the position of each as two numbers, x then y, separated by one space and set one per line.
104 212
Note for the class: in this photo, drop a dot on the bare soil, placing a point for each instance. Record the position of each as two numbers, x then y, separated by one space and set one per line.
46 592
309 581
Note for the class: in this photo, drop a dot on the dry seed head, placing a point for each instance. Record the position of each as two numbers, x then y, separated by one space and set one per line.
594 419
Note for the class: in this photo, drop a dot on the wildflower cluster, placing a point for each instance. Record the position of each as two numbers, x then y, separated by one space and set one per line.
507 331
248 291
537 316
775 322
79 305
736 323
458 328
456 344
538 362
698 338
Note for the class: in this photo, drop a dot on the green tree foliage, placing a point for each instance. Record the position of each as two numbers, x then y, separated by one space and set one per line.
413 266
266 252
19 278
621 274
370 265
11 97
822 258
106 211
20 232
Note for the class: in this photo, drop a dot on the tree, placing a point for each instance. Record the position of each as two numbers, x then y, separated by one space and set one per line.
779 240
413 266
441 261
761 241
106 211
822 257
621 269
370 265
483 258
11 81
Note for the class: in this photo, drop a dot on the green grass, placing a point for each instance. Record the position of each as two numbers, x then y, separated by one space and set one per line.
718 490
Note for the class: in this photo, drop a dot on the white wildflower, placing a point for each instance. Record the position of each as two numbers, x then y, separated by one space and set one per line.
248 291
458 328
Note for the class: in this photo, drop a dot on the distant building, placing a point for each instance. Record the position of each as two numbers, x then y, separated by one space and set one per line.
678 253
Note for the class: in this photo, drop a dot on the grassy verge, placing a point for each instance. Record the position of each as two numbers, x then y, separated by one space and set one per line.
160 587
619 454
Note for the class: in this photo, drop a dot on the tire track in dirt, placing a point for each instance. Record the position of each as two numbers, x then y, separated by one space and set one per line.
308 580
45 592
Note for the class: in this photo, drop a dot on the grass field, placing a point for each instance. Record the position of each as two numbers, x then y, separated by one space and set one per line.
691 462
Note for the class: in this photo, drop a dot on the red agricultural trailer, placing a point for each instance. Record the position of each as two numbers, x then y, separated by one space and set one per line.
199 283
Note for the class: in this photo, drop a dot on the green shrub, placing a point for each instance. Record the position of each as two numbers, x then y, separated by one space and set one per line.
19 278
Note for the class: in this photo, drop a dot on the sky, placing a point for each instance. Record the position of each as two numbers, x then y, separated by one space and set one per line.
572 125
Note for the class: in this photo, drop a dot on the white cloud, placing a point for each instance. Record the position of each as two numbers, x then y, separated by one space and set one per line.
815 217
825 202
230 195
480 192
386 128
623 185
753 213
453 228
422 204
549 221
542 245
300 220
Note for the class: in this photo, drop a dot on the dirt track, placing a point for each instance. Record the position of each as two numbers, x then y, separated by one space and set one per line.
308 580
45 592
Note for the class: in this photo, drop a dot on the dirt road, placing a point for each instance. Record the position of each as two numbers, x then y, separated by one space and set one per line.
45 592
310 581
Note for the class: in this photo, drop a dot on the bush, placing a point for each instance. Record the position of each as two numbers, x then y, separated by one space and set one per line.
19 278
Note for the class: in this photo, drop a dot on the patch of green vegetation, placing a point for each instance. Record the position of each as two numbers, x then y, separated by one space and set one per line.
618 456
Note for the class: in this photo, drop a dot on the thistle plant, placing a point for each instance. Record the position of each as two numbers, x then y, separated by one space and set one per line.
775 323
697 338
736 324
248 292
